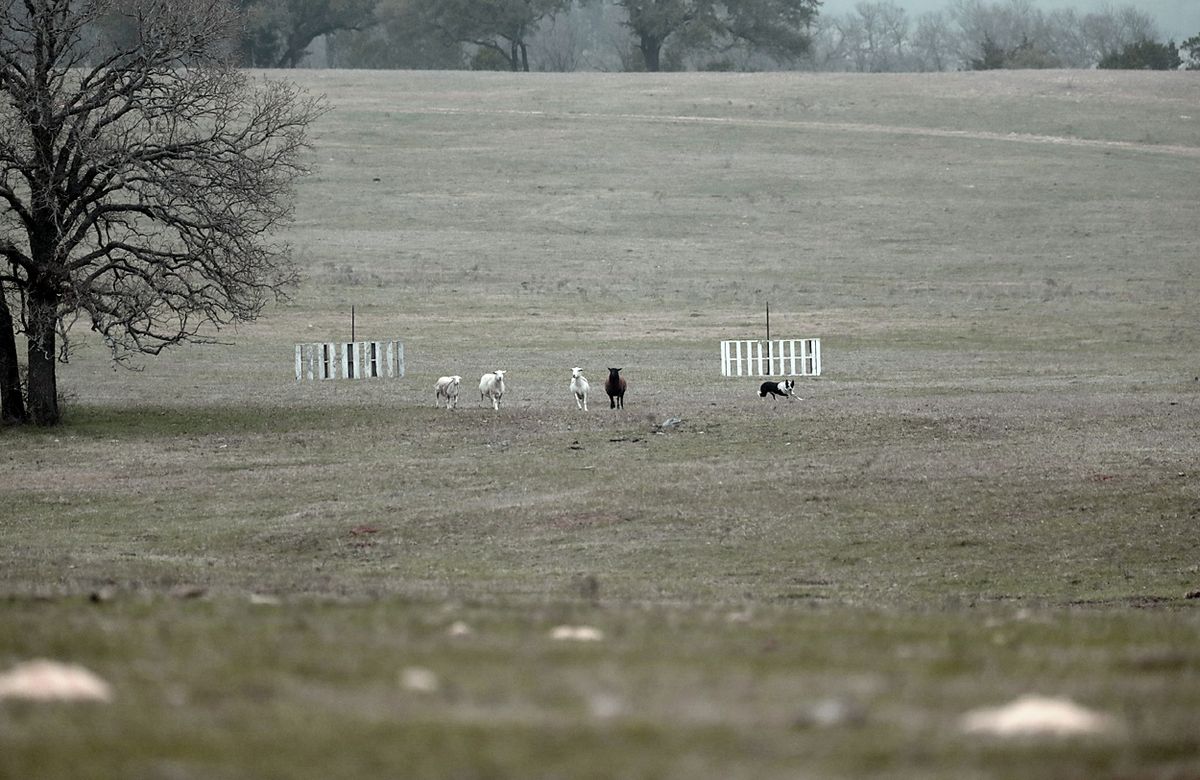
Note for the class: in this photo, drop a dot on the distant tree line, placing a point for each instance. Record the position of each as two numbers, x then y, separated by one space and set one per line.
879 36
743 35
524 35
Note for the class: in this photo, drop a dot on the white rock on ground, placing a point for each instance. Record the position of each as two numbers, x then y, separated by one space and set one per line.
1034 715
43 680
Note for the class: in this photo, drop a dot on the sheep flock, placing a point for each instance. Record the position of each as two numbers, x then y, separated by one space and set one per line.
492 388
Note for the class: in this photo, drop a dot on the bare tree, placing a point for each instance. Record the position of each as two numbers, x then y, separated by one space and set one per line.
830 46
933 42
883 28
140 180
1067 40
877 37
562 43
1110 30
997 26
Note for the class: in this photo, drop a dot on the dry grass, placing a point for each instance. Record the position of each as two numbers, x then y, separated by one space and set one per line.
991 492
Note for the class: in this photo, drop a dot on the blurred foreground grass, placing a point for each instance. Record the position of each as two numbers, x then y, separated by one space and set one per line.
227 688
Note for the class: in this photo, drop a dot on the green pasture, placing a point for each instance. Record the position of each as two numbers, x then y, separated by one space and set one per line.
993 490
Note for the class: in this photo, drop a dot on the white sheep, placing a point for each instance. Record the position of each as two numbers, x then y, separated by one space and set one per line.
491 386
447 388
579 386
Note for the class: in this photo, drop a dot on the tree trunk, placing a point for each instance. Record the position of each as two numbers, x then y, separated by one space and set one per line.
651 48
43 355
12 404
291 56
524 57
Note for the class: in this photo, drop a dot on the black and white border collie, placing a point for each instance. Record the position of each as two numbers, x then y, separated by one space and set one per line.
782 389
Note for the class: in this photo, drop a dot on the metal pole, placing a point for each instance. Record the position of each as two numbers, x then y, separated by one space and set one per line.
768 321
351 324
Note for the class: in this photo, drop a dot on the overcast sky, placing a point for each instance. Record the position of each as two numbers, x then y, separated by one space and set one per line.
1178 19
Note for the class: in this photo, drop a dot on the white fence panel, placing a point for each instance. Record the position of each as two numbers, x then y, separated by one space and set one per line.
781 357
350 360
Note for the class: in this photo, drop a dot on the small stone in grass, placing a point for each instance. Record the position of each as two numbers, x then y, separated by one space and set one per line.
419 679
459 628
830 713
576 634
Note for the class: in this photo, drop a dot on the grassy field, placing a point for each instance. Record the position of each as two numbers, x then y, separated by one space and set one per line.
992 490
